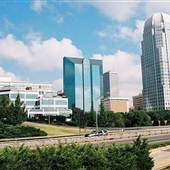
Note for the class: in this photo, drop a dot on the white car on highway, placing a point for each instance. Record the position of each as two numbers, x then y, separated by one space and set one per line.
97 133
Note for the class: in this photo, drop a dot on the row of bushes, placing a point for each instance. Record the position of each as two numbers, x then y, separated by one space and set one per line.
59 120
11 131
78 157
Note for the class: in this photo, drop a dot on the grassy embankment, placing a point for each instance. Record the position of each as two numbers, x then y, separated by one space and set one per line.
54 129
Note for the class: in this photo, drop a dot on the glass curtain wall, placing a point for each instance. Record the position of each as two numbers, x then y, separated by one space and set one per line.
83 83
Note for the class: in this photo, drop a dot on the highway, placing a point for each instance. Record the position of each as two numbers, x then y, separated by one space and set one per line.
161 156
153 134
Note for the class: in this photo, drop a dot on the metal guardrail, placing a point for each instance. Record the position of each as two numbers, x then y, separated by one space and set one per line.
39 137
136 128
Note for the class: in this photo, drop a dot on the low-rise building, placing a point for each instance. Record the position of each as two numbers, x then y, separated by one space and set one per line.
138 102
51 104
38 98
29 86
116 104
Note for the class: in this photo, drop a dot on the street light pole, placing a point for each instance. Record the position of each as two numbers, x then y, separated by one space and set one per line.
98 112
97 128
48 119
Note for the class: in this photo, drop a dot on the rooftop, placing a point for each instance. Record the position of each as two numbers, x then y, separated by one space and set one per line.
157 19
116 98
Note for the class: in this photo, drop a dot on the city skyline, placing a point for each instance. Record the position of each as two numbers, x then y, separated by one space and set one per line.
35 36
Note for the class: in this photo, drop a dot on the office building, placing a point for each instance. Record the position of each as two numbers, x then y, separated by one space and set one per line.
155 63
83 82
138 102
51 104
116 104
112 101
38 98
39 87
110 84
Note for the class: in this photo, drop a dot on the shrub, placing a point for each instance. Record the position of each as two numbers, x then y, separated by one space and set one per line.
141 150
78 157
121 158
71 123
10 131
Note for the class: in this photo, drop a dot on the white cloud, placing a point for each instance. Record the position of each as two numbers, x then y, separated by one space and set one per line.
128 68
102 34
38 54
123 32
60 19
120 11
37 5
33 36
109 33
1 34
8 23
48 55
134 35
113 9
153 6
7 76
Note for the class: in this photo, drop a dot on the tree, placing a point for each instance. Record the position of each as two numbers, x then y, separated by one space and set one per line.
4 108
12 113
102 108
114 119
19 111
155 117
91 118
141 150
167 116
78 116
137 118
102 117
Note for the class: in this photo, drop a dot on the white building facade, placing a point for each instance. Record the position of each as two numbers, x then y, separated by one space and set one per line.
38 98
50 104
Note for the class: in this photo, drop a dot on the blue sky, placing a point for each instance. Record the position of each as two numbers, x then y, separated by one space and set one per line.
35 35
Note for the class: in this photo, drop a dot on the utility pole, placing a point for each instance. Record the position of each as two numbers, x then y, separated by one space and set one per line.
97 128
79 122
98 111
48 119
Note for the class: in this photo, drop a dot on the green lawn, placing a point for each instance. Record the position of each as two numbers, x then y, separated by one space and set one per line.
54 129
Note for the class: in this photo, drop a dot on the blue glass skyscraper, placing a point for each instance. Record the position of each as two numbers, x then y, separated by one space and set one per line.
83 82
